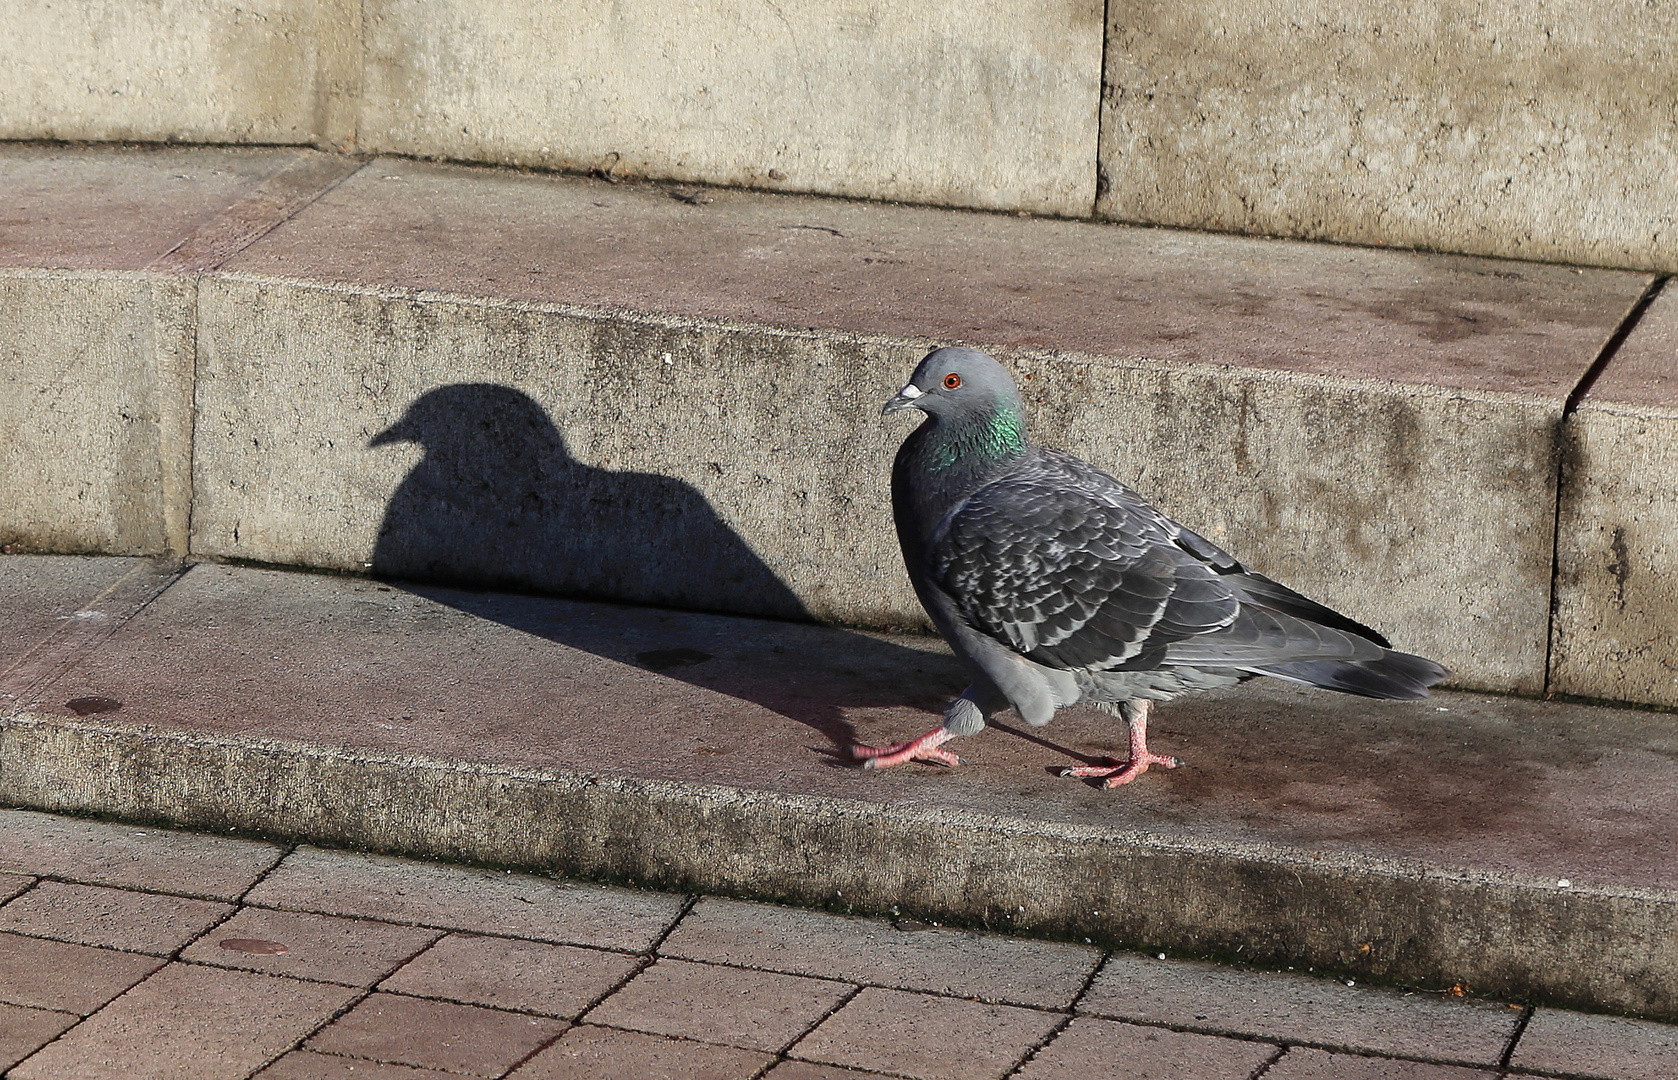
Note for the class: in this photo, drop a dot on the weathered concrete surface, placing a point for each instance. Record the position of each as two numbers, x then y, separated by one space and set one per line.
53 606
1425 842
1391 417
1489 127
96 372
958 104
119 208
1616 621
97 359
264 71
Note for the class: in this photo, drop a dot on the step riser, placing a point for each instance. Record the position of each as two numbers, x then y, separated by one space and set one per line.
1497 936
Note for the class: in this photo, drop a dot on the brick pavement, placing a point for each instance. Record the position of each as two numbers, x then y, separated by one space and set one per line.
133 953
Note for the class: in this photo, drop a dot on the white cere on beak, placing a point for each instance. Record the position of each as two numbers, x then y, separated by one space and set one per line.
911 392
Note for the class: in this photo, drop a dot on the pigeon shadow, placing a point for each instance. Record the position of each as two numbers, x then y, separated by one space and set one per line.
499 503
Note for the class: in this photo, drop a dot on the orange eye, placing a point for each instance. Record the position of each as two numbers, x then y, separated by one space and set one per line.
952 381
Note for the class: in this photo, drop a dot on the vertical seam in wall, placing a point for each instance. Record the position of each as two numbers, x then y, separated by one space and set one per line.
360 76
1564 436
196 308
1101 103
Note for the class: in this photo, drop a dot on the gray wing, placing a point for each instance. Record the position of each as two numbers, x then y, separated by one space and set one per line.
1071 568
1074 570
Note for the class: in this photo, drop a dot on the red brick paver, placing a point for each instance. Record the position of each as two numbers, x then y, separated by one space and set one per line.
760 1010
13 884
436 1035
1304 1064
111 918
555 980
59 975
357 952
592 1053
926 1037
24 1031
921 957
1579 1044
462 898
1297 1008
308 1065
189 1023
810 1070
1091 1049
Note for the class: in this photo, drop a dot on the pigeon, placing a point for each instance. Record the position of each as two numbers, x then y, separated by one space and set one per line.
1054 583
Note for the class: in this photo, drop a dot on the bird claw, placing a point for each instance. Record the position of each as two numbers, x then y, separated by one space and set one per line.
924 748
1123 772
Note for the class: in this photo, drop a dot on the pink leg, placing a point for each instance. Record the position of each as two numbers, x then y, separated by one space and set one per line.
924 748
1140 758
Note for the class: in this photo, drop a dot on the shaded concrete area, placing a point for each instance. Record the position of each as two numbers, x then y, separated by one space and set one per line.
500 500
1420 841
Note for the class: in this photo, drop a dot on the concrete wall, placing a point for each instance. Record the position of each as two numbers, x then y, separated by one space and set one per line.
984 103
260 71
1538 131
95 411
1493 127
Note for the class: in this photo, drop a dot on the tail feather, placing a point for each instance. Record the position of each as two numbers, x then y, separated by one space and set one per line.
1396 675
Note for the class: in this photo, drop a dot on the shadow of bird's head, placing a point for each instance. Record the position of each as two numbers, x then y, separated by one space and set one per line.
481 420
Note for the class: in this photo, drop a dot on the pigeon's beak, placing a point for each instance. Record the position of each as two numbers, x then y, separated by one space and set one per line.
904 399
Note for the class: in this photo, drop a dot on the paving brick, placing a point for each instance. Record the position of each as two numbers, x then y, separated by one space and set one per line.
436 1035
1091 1049
810 1070
460 898
593 1053
756 1009
555 980
925 958
108 853
1298 1008
1581 1044
358 952
1301 1063
12 884
24 1031
189 1023
59 975
308 1065
928 1038
112 918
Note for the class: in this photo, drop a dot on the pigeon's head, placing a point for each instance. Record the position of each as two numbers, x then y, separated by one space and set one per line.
958 382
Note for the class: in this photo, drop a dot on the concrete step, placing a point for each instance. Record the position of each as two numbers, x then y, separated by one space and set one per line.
1517 847
669 395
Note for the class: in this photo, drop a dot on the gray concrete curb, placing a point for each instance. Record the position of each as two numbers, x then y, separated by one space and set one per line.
1500 934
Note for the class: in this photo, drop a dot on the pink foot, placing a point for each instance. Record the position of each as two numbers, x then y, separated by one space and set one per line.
924 748
1123 772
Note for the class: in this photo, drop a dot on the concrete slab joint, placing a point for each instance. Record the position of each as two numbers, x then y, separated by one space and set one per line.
1617 559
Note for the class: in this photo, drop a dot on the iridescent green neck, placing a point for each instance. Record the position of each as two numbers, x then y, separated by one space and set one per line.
996 437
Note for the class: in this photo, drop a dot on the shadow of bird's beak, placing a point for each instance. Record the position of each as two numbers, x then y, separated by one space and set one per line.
904 399
395 433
